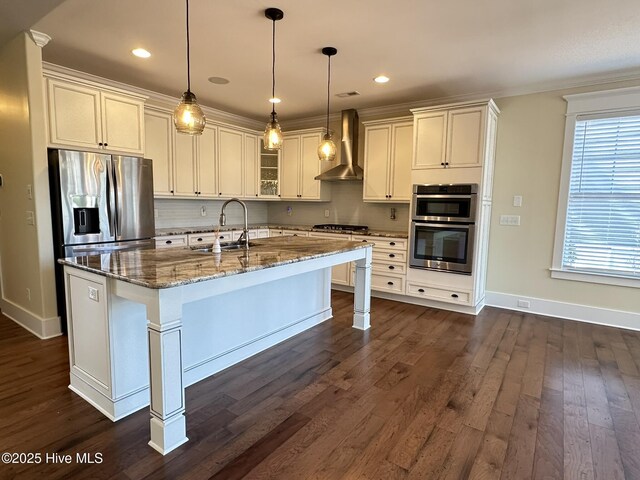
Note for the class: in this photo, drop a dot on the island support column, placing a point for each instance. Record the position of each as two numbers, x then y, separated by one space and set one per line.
362 292
168 424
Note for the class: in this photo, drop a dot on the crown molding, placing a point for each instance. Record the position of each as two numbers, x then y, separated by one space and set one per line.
39 38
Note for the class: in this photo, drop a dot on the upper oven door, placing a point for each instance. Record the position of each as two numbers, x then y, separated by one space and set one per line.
444 208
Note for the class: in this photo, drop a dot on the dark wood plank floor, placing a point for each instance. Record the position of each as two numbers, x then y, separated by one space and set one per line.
425 394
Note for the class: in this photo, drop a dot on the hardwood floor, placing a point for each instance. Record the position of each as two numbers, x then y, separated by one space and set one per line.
425 394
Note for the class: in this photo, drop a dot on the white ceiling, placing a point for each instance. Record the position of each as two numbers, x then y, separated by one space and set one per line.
430 49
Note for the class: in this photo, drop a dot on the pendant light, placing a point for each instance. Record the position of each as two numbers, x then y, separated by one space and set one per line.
327 149
273 132
187 116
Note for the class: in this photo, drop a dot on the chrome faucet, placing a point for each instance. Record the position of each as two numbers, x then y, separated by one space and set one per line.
244 238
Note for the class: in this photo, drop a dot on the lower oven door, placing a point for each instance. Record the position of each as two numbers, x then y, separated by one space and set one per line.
442 246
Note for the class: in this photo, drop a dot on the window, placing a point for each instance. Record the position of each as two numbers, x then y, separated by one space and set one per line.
598 229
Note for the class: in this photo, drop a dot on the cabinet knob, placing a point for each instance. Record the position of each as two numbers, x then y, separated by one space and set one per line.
391 267
392 243
454 295
421 290
256 194
364 241
389 283
106 144
199 239
168 242
442 163
99 144
392 255
171 191
446 164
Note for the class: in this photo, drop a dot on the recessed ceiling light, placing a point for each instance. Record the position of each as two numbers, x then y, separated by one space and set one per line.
381 79
141 52
274 100
219 80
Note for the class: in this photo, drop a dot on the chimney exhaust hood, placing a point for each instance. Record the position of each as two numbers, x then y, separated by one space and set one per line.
348 168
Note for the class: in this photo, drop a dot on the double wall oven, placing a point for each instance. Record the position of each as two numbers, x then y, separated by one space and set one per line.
443 227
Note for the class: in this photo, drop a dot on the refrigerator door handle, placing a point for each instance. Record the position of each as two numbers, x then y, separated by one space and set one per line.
111 201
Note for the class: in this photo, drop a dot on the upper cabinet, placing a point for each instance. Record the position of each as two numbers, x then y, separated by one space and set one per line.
451 137
93 118
300 165
387 160
220 163
268 172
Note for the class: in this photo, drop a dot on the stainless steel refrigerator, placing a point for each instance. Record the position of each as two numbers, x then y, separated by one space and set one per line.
100 203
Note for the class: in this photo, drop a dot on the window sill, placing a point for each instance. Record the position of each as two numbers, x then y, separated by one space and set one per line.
595 278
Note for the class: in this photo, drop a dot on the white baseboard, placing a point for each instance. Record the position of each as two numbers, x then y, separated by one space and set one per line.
569 311
42 328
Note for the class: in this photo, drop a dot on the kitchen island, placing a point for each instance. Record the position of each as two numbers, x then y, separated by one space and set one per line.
177 316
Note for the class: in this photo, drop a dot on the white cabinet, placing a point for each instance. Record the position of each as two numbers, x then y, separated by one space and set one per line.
300 165
340 274
451 137
88 117
387 160
171 241
230 162
195 164
389 263
251 166
158 128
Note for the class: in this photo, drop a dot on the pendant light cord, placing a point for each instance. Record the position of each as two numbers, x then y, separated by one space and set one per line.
188 56
328 91
273 70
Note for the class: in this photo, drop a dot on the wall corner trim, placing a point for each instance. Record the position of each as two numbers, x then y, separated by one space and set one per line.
568 311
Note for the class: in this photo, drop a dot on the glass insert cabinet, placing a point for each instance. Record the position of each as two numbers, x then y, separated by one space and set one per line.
269 172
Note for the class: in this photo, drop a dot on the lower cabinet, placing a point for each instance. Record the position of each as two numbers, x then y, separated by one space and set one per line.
340 274
169 241
389 264
442 294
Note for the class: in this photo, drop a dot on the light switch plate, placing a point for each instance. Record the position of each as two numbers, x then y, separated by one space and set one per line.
511 220
517 200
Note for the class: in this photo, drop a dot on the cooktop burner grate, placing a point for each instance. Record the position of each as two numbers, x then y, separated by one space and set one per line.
340 227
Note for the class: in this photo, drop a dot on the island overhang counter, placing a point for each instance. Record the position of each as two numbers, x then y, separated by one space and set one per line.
145 324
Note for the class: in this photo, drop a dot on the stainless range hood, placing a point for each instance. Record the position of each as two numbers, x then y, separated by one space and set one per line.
348 168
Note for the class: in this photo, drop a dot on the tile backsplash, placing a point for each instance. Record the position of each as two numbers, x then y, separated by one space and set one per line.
346 206
188 213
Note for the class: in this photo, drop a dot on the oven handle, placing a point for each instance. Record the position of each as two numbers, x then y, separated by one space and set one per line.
462 225
447 196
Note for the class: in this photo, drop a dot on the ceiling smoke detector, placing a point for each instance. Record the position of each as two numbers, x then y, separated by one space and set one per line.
353 93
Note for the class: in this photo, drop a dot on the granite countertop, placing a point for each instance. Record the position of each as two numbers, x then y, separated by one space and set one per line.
304 228
171 267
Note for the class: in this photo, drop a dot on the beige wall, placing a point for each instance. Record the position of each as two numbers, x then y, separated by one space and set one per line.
528 161
26 253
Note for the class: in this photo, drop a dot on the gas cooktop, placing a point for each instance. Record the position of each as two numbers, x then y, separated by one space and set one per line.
340 227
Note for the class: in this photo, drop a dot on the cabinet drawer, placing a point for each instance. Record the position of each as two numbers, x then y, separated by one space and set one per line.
395 268
169 241
441 294
386 256
383 243
295 233
275 233
387 283
201 238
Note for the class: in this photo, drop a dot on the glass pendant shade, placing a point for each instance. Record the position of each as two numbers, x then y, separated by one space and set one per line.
327 149
188 117
273 134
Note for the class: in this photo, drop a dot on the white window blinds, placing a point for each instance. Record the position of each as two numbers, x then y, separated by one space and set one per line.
602 232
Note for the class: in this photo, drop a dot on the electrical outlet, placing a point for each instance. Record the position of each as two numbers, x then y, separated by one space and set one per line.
28 294
29 192
517 200
203 211
289 211
155 213
326 213
511 220
524 303
93 294
30 218
392 215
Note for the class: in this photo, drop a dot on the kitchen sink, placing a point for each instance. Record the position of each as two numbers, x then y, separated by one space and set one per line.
224 247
